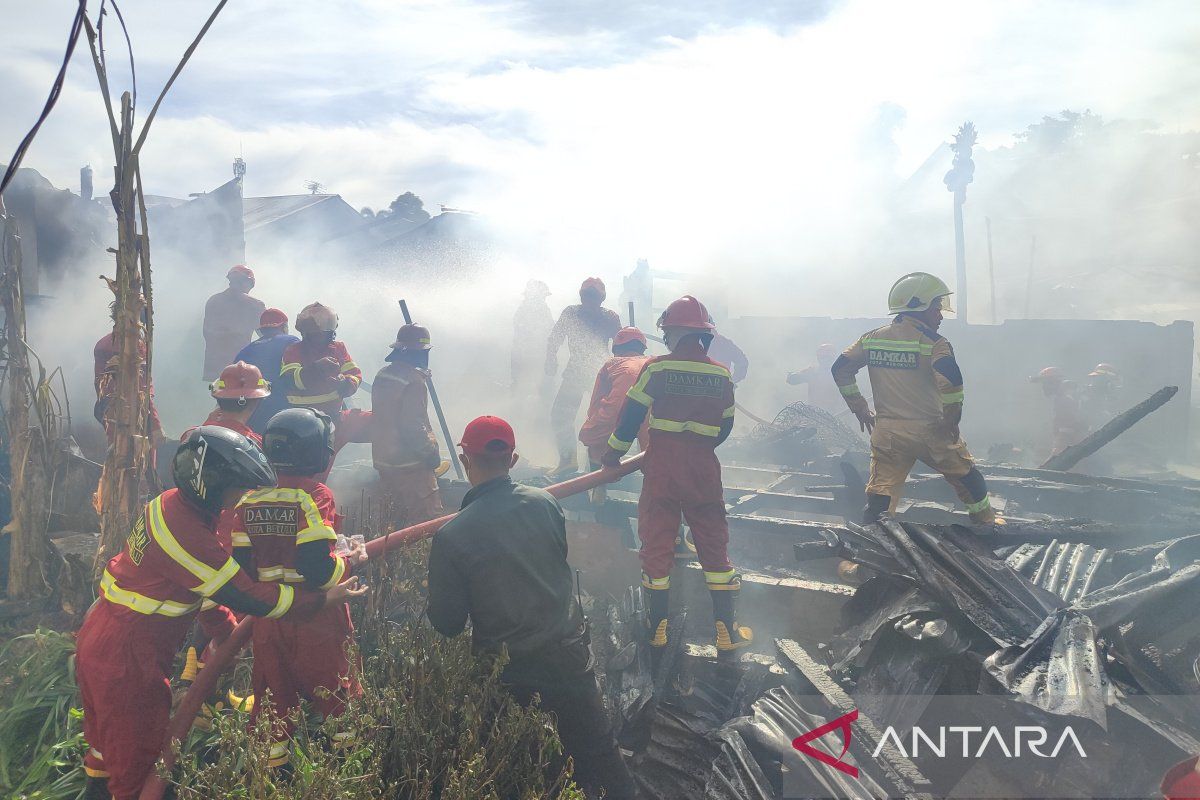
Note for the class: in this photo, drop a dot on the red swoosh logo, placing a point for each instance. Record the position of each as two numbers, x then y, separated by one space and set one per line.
842 723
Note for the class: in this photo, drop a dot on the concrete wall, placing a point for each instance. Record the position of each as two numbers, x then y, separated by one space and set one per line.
997 360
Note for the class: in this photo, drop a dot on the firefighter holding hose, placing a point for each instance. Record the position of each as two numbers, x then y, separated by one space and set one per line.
152 591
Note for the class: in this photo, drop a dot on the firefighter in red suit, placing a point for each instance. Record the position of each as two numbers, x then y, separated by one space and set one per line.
238 391
152 591
287 535
689 400
318 372
403 449
608 394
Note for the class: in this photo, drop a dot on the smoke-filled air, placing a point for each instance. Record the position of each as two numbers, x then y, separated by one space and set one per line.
508 398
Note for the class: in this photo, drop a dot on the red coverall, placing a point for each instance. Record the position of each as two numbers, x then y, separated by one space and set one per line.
149 595
403 447
314 385
613 382
287 535
230 318
689 400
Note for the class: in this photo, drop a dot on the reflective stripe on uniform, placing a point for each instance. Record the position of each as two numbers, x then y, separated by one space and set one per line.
982 505
313 400
726 579
638 390
689 426
139 602
950 398
280 573
339 572
286 595
728 413
850 390
656 583
292 367
617 444
210 579
241 539
898 345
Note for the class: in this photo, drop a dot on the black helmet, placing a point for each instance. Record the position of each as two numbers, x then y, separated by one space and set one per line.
213 459
299 441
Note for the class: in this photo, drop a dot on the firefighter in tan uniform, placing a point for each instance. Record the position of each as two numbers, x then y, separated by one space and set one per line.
918 392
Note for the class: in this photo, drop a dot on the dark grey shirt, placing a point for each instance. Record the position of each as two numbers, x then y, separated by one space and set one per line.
503 562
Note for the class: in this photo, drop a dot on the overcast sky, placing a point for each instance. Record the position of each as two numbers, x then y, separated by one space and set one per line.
694 116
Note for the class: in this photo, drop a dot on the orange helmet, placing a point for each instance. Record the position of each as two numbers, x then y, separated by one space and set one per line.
316 317
594 284
686 312
627 335
272 318
240 381
412 337
1048 374
1104 368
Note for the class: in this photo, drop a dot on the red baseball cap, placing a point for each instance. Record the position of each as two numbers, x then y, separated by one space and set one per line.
483 431
272 318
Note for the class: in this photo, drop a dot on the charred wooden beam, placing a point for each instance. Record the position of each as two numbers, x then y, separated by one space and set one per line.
1111 430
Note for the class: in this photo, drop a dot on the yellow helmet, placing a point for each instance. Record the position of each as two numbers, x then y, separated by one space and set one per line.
918 291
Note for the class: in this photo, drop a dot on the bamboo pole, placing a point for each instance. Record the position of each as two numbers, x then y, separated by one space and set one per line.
222 659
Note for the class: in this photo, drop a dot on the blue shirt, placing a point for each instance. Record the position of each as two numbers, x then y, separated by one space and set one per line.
267 355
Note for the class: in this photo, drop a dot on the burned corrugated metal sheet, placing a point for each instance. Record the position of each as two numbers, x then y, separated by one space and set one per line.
1066 569
1060 671
954 567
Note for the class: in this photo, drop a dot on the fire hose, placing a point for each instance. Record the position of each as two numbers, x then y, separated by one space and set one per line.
223 657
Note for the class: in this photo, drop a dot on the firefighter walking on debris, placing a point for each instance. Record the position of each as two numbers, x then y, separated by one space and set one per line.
688 399
918 392
152 591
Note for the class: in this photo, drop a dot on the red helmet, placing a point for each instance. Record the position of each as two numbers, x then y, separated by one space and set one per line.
240 381
595 284
1104 368
686 312
240 269
272 318
1048 374
412 337
627 335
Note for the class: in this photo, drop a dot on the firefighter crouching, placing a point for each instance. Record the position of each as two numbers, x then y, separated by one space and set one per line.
918 391
287 535
403 446
689 400
152 591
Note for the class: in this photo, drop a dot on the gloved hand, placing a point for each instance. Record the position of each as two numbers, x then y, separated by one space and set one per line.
326 367
866 419
346 387
611 458
951 417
